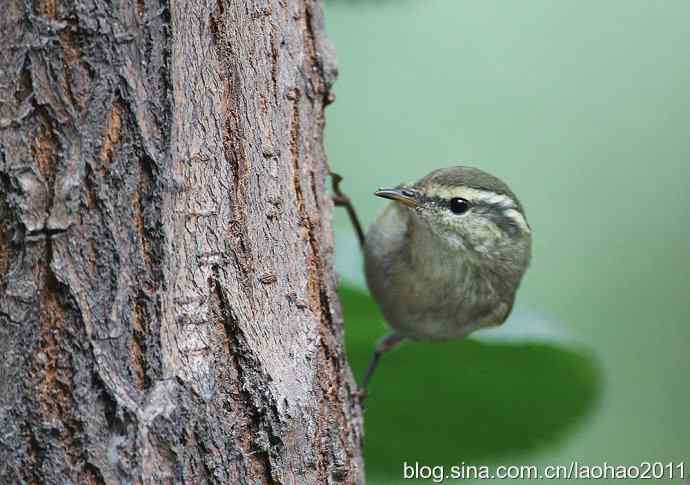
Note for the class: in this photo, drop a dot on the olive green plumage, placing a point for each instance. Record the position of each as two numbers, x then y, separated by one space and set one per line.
447 255
468 177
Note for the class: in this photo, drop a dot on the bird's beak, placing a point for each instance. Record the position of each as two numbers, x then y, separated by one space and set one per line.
402 195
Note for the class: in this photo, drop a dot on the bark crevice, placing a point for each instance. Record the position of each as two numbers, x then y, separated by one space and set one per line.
168 309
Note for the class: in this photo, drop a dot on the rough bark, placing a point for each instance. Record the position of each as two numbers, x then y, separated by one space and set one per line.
168 309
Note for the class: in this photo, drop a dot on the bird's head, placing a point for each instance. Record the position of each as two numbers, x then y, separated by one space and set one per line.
466 208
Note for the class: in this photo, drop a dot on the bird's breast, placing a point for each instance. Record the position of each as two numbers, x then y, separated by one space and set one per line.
425 290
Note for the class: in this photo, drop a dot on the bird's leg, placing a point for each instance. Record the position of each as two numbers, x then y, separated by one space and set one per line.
386 343
391 340
343 200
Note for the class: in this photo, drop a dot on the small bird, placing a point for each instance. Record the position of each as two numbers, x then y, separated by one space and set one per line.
446 257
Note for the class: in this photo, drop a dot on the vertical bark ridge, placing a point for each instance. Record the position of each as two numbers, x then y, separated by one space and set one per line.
166 247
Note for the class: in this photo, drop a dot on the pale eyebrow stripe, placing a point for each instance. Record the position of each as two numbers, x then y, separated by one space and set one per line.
499 200
517 217
474 195
508 206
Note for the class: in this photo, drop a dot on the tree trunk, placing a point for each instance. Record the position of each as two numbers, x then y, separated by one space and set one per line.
168 310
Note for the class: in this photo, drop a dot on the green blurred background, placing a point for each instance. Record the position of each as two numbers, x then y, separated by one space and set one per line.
583 107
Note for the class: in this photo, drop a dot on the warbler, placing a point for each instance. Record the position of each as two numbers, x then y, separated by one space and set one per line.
446 256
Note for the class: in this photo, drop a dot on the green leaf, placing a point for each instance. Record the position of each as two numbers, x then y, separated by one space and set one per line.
469 400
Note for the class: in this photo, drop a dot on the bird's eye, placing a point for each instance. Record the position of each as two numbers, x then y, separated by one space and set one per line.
459 205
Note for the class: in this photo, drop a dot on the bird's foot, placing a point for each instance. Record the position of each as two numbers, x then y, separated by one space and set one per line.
361 394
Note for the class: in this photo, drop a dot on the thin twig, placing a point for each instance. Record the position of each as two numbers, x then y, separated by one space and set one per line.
343 200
